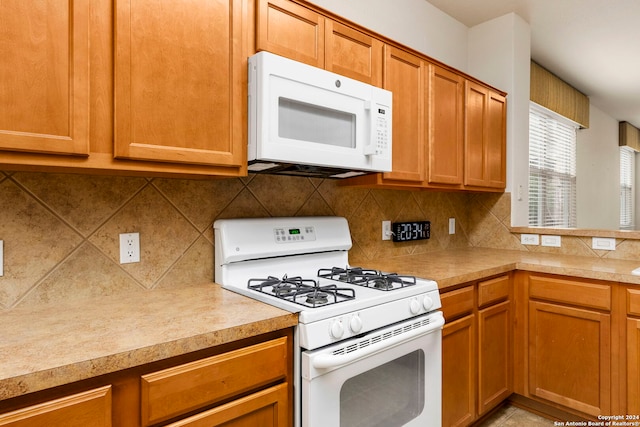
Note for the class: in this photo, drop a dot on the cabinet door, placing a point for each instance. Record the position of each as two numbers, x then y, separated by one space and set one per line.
268 408
290 30
404 75
351 53
87 409
633 366
446 98
458 372
569 357
494 356
485 137
44 76
179 82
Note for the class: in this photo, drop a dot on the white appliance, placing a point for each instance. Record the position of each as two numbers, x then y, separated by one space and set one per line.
368 344
307 121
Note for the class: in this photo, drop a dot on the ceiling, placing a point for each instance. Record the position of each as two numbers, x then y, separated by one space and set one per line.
594 45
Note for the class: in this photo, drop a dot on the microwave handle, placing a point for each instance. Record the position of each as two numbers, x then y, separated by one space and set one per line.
370 145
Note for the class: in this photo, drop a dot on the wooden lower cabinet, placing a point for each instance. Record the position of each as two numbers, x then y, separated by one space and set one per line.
569 357
494 356
633 366
458 372
87 409
477 361
243 383
267 408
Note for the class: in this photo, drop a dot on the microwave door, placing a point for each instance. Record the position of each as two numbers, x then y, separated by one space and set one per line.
312 124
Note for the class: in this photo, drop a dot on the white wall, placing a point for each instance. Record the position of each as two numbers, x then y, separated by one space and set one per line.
414 23
598 172
500 55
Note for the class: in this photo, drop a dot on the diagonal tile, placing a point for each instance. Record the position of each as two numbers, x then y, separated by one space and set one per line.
164 235
194 267
281 195
86 273
34 242
315 206
343 200
84 201
392 202
245 205
201 201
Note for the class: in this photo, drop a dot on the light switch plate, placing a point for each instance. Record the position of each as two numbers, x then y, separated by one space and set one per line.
551 241
452 226
530 239
604 243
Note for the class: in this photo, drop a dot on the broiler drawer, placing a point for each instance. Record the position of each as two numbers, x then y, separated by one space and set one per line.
175 391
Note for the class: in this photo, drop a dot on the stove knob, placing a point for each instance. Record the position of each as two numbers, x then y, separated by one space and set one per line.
427 302
355 324
336 330
414 306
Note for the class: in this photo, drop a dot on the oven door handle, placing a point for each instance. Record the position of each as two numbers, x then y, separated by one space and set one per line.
329 360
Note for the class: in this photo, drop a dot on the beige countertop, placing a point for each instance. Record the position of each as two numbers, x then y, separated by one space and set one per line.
48 346
453 267
52 345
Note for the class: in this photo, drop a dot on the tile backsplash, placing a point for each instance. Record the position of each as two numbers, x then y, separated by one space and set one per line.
61 231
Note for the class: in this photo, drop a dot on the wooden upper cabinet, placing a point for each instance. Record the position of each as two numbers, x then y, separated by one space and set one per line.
290 30
179 83
351 53
44 76
404 75
446 135
485 137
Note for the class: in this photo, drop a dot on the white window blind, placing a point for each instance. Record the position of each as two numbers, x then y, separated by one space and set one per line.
552 169
627 173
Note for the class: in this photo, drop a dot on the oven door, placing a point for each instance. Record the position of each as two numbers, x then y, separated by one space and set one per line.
388 377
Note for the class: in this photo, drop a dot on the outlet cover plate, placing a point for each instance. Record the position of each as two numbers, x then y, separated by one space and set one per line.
129 248
551 241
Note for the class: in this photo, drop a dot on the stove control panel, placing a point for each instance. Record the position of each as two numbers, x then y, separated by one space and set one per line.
294 234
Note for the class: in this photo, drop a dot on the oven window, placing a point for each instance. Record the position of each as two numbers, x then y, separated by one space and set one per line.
387 396
305 122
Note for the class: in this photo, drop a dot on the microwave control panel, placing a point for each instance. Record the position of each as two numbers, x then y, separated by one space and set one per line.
382 127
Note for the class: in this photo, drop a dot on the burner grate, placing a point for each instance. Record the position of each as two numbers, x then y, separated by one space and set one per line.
306 292
369 278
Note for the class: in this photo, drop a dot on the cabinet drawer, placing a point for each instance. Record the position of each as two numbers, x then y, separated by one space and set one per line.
570 291
633 302
178 390
87 409
457 303
494 290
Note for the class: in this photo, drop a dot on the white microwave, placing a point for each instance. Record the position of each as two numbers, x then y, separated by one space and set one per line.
307 121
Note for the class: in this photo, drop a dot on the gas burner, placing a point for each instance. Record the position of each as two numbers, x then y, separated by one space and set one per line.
347 274
368 278
306 292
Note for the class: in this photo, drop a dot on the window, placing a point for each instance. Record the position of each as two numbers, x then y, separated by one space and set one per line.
552 169
627 172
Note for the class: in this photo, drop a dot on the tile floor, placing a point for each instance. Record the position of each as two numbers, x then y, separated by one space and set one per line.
510 416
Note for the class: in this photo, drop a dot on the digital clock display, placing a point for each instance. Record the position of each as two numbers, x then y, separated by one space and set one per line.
294 231
413 230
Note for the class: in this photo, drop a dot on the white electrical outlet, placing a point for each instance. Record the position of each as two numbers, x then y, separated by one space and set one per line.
1 257
386 230
129 248
604 243
530 239
552 241
452 226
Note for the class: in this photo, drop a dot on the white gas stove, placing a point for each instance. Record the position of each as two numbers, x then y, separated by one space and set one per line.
360 331
300 264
